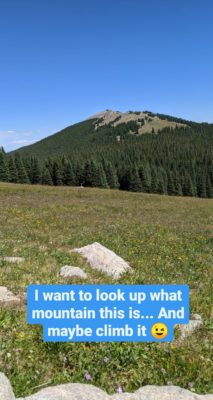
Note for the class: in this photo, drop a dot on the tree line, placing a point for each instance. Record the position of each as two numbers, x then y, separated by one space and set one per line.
137 178
174 162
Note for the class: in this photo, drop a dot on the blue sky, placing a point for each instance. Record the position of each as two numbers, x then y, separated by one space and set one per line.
63 60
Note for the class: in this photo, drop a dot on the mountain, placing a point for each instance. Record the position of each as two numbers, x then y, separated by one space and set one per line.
135 151
74 136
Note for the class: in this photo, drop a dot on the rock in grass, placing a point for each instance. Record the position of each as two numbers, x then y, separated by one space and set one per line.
15 260
8 299
78 391
187 330
70 391
103 259
6 392
68 271
152 392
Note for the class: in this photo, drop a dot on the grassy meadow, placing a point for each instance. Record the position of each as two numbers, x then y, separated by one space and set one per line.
165 239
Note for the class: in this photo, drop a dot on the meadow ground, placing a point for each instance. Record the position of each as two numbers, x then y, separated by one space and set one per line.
165 239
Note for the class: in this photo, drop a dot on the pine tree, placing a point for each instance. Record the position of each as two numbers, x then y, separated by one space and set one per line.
209 188
57 174
69 177
111 175
46 177
2 150
145 177
201 188
35 171
171 185
13 175
161 186
188 186
3 168
22 175
154 181
90 174
134 180
101 177
28 168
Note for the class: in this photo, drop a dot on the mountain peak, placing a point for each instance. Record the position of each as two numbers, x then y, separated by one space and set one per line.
106 114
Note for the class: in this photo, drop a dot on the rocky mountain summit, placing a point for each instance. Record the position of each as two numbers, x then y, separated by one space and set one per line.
146 121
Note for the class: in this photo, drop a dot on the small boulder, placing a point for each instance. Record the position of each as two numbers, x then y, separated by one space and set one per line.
14 260
7 298
6 392
79 391
103 259
187 330
152 392
70 391
68 271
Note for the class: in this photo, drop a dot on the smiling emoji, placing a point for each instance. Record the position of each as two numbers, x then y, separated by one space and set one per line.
159 330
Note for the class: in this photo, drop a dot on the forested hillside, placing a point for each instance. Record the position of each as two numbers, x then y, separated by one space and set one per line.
174 161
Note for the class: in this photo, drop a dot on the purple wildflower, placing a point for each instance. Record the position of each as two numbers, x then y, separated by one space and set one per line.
87 376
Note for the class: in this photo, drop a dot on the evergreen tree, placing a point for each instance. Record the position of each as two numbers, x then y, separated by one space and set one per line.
22 175
3 168
46 177
57 174
101 177
91 174
2 150
188 186
209 188
161 186
201 188
36 177
134 180
13 176
145 177
69 177
111 175
171 185
27 162
154 181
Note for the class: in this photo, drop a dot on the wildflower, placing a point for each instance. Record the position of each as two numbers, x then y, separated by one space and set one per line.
163 371
190 385
87 376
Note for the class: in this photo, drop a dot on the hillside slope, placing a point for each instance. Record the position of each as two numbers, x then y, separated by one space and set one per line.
111 149
88 131
166 240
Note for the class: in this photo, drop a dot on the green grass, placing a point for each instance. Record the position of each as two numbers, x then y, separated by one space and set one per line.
165 239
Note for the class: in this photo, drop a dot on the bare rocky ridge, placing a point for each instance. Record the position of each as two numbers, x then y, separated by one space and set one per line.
150 122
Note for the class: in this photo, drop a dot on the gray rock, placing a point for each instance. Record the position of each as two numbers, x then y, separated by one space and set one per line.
70 391
7 298
193 325
161 393
78 391
196 316
15 260
69 271
103 259
6 392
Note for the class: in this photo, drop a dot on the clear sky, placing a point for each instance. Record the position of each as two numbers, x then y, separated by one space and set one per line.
63 60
